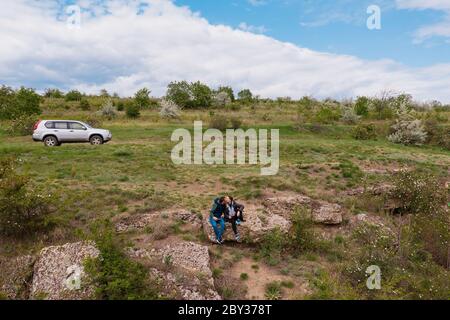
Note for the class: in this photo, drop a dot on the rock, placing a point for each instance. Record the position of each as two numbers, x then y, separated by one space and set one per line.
284 206
190 276
327 213
322 212
59 274
141 221
258 223
15 276
377 190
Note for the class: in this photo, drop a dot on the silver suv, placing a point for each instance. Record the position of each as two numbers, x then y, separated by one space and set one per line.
55 132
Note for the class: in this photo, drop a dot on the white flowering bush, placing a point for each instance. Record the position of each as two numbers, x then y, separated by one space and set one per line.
169 110
108 110
349 116
407 129
23 209
222 99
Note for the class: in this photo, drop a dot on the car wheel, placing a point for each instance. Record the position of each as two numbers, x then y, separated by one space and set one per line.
96 140
51 141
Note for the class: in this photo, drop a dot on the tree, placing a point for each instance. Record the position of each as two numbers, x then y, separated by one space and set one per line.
104 93
179 93
169 110
245 96
53 93
142 98
132 110
74 95
362 106
201 94
222 99
407 129
23 102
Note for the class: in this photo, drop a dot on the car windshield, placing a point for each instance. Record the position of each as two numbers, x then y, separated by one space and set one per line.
87 126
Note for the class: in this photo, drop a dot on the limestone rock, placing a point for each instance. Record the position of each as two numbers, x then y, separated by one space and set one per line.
327 213
15 277
284 206
59 274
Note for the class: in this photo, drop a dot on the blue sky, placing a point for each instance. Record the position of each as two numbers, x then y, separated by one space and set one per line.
320 48
336 26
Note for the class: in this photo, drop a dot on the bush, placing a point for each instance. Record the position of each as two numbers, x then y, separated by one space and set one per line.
326 115
169 110
219 122
132 110
235 122
108 111
74 95
142 98
120 106
24 209
53 93
424 196
436 134
15 104
407 130
116 276
222 99
272 246
364 132
245 96
22 126
93 120
189 95
362 106
301 236
349 116
84 105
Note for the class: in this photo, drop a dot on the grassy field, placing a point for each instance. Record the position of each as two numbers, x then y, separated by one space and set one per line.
134 174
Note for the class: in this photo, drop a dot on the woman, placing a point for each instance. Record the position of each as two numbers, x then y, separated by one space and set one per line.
234 214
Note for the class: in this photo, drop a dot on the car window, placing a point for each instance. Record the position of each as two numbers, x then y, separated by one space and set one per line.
60 125
76 126
50 125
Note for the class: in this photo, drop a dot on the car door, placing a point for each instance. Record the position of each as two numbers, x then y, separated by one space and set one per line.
78 132
61 131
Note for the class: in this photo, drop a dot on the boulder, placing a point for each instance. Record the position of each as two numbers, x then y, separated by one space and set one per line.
59 274
15 276
327 213
322 212
258 222
185 271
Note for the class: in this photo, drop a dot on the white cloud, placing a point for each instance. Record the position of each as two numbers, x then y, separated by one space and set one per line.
123 51
257 3
254 29
441 29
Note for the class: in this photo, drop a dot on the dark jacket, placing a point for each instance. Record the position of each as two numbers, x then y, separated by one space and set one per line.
218 209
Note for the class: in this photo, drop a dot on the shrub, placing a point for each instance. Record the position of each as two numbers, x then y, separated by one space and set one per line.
326 115
245 96
235 122
424 196
142 98
222 99
53 93
14 104
227 90
364 132
169 110
362 106
116 276
301 236
108 111
132 110
120 106
74 95
407 130
93 120
189 95
436 134
349 116
219 122
84 105
24 209
273 291
272 245
22 125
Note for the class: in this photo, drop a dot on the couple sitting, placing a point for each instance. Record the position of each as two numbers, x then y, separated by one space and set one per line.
225 209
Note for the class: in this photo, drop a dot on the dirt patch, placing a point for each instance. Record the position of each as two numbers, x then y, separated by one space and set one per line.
259 275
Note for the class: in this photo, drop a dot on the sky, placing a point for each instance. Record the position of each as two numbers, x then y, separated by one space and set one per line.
277 48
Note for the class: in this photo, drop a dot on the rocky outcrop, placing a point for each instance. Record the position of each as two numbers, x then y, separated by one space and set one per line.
258 222
327 213
141 221
59 274
16 276
376 190
184 272
322 212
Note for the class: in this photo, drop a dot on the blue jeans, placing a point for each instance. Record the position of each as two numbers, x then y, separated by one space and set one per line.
218 230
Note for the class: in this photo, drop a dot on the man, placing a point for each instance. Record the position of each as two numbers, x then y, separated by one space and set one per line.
234 215
216 217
